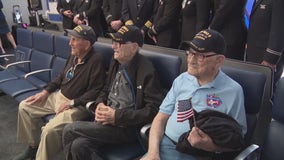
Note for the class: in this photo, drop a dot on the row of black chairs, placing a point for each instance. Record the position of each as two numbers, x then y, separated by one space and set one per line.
45 54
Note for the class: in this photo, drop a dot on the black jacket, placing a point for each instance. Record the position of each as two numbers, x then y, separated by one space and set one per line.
166 23
195 17
90 9
138 16
266 31
148 91
86 83
112 10
224 131
228 19
62 6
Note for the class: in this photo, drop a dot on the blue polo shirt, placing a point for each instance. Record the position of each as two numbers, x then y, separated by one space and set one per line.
222 94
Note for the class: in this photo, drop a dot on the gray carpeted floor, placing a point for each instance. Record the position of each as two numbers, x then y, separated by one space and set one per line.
8 128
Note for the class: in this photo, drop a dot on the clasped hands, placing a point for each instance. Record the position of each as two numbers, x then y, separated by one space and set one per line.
105 114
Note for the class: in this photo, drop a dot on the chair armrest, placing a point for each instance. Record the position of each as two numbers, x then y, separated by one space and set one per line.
17 63
88 105
37 71
250 150
6 55
144 131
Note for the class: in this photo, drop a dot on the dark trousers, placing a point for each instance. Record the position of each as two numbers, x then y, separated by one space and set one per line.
83 140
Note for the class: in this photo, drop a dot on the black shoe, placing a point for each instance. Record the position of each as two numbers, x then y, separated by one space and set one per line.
27 154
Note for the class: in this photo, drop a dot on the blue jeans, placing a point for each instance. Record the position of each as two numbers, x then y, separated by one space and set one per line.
168 151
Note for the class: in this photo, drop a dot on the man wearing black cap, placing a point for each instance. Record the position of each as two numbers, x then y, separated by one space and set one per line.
80 81
203 87
129 100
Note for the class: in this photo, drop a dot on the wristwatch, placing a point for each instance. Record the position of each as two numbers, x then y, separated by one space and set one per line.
72 103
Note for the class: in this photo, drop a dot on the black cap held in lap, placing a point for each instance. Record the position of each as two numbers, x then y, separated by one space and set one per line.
128 33
85 32
206 41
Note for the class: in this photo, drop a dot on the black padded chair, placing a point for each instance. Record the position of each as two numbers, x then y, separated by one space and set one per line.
253 84
274 140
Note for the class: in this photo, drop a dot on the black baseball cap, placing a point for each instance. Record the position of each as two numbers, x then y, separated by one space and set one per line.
206 41
128 33
83 31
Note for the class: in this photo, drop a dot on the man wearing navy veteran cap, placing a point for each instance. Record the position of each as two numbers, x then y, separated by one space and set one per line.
79 82
203 87
85 32
129 100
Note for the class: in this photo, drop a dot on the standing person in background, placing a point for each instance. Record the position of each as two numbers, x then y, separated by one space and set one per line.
89 12
4 29
195 17
165 29
64 7
112 13
265 40
228 19
139 13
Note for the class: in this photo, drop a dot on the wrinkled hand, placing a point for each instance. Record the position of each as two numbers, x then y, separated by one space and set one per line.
68 13
272 66
116 24
76 20
63 107
37 98
105 114
198 139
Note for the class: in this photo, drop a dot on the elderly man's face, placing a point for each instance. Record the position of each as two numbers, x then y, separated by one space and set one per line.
124 52
79 46
202 65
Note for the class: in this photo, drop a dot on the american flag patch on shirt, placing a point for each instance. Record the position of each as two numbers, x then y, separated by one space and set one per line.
184 110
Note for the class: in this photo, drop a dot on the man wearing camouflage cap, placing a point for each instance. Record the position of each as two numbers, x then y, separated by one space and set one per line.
80 81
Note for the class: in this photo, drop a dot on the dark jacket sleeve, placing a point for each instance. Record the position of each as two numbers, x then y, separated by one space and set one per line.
276 35
202 14
56 83
91 10
221 13
106 10
166 14
102 98
96 82
59 7
125 11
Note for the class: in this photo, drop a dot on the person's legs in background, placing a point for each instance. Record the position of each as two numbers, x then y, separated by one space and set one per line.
11 39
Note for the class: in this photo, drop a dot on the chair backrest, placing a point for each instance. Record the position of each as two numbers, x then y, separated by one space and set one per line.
62 51
42 54
253 84
167 66
105 50
274 140
24 48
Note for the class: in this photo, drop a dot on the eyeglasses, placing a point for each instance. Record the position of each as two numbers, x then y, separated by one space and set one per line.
200 57
120 43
